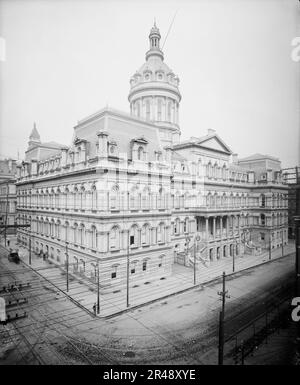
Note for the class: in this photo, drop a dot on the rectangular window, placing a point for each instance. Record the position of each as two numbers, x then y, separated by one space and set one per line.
145 266
114 272
131 240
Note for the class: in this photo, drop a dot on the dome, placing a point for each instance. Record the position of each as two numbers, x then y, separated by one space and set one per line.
154 95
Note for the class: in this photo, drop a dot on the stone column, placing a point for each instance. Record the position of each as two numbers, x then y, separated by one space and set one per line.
214 227
221 227
206 228
227 225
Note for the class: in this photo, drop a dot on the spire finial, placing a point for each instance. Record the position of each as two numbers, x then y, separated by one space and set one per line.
155 22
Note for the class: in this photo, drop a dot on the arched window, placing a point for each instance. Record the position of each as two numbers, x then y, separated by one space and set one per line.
177 200
94 237
169 111
82 200
57 200
161 260
114 238
224 172
78 154
114 271
159 105
134 199
177 226
199 168
75 234
76 198
140 153
82 235
160 199
146 199
148 109
144 265
133 236
263 200
57 230
262 219
145 235
208 200
67 232
94 198
186 225
114 198
52 229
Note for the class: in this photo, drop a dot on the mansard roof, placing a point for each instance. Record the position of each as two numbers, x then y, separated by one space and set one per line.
121 127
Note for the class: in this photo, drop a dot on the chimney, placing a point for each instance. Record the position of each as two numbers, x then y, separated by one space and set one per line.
33 167
64 151
168 154
210 131
234 158
102 144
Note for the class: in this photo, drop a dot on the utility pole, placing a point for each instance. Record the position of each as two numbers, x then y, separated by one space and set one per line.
270 246
282 246
196 247
98 288
195 263
233 260
30 245
67 266
224 295
297 234
6 213
127 273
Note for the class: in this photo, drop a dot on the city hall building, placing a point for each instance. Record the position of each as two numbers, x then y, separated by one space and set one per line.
131 196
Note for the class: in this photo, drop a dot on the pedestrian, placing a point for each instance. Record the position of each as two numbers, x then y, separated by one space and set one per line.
94 308
8 242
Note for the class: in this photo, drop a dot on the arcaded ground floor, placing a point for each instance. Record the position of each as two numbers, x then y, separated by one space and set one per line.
84 292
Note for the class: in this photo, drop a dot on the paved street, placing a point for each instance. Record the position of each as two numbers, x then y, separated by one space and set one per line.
182 278
179 330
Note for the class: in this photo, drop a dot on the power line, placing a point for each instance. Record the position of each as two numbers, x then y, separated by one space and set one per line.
169 29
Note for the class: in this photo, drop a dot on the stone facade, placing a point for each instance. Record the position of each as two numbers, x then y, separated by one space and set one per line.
130 196
8 194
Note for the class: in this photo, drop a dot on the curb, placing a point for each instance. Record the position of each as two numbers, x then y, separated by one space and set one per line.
134 307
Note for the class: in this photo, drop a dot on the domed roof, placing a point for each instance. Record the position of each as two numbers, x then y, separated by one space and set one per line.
155 65
155 69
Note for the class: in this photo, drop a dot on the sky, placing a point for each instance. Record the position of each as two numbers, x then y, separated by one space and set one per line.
64 60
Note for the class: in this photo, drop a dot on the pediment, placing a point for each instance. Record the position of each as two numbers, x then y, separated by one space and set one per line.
215 143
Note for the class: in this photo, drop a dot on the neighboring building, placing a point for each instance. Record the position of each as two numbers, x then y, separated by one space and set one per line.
129 185
291 176
8 194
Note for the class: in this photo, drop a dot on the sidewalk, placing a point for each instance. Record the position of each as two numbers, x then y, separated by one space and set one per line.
85 293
